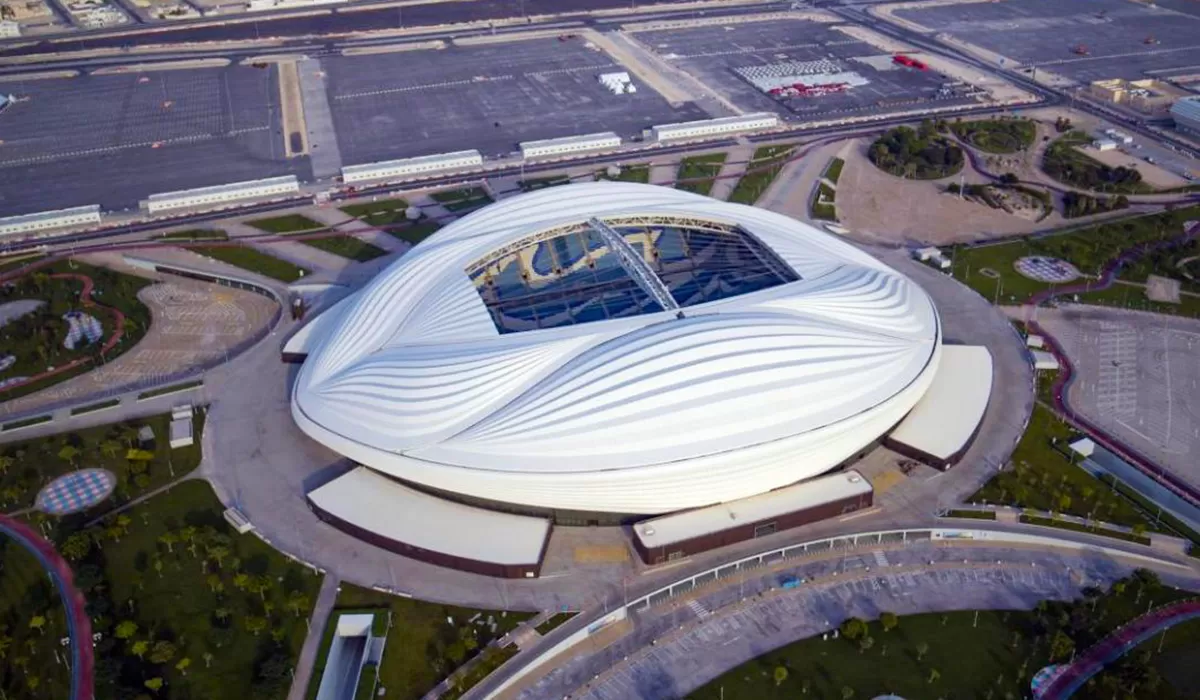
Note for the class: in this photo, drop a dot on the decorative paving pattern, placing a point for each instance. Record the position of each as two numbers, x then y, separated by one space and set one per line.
1048 270
76 491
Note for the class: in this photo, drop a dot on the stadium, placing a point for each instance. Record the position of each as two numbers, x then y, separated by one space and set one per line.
610 351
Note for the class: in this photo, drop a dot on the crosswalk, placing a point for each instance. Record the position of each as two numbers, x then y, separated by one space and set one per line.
698 608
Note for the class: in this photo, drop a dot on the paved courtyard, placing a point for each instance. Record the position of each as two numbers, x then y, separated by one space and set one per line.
92 139
194 325
713 54
1138 378
1034 32
487 97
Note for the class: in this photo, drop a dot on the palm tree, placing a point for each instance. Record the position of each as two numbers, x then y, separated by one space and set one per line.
6 462
183 664
219 552
169 539
139 648
68 453
781 675
126 629
214 583
222 614
5 643
123 522
188 534
207 659
255 625
297 602
38 622
934 675
76 546
110 448
922 650
847 692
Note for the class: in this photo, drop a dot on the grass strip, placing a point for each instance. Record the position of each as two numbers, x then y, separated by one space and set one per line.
834 171
971 514
170 389
93 407
254 261
493 658
346 246
290 223
699 173
199 234
1080 527
764 167
381 213
553 622
541 183
1152 510
27 422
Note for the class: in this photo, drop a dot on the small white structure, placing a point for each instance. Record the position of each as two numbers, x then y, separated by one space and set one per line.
237 521
181 427
1044 360
714 127
1035 341
1119 136
1104 145
438 162
47 220
569 145
9 29
926 254
222 194
354 645
617 83
1083 447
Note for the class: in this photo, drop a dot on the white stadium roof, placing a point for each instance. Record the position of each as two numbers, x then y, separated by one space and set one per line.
516 356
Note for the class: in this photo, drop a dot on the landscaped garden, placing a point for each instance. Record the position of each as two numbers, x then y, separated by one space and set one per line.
997 135
628 173
462 200
699 173
253 260
762 170
541 183
428 641
985 655
289 223
36 340
834 171
384 212
1064 162
346 246
183 606
414 233
824 203
916 154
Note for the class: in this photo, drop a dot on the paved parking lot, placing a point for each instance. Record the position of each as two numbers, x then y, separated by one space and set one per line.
728 626
1041 33
713 54
488 97
91 139
1138 378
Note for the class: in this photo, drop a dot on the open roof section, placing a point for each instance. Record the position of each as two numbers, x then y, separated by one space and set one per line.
576 274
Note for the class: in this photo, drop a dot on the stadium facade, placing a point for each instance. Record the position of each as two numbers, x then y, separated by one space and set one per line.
616 348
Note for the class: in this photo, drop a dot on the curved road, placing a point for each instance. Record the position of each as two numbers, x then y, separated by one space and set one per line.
79 625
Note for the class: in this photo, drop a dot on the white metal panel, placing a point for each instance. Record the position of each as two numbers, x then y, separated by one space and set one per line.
944 420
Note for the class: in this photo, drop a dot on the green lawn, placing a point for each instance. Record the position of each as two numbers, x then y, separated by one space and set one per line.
414 233
36 339
956 655
541 183
204 589
629 173
1090 248
199 234
254 261
384 212
701 171
346 246
290 223
18 260
834 171
462 200
553 622
997 135
422 647
1078 527
1041 477
762 170
971 514
31 464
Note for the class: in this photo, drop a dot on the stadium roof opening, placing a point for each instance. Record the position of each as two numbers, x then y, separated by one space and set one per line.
573 275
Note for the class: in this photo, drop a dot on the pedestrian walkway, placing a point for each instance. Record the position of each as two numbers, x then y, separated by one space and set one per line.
312 641
344 223
731 172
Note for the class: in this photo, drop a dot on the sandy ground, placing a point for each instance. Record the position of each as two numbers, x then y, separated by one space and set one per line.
879 207
193 324
293 109
1153 175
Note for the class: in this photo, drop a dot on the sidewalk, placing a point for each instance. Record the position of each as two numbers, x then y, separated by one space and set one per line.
312 641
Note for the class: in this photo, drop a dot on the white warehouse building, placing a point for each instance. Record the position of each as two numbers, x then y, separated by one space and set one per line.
47 220
714 127
569 145
458 160
1186 112
222 194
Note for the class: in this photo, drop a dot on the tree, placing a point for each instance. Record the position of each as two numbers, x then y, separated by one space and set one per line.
5 462
110 448
183 664
126 629
76 547
38 622
208 657
214 583
922 650
781 675
155 684
853 628
1064 502
188 534
1061 646
934 675
889 621
222 614
68 453
847 692
1139 529
260 585
5 643
139 648
162 652
865 644
241 581
123 522
255 625
168 539
298 602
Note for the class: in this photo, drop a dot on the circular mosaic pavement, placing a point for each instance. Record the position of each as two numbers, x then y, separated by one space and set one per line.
1048 270
71 493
